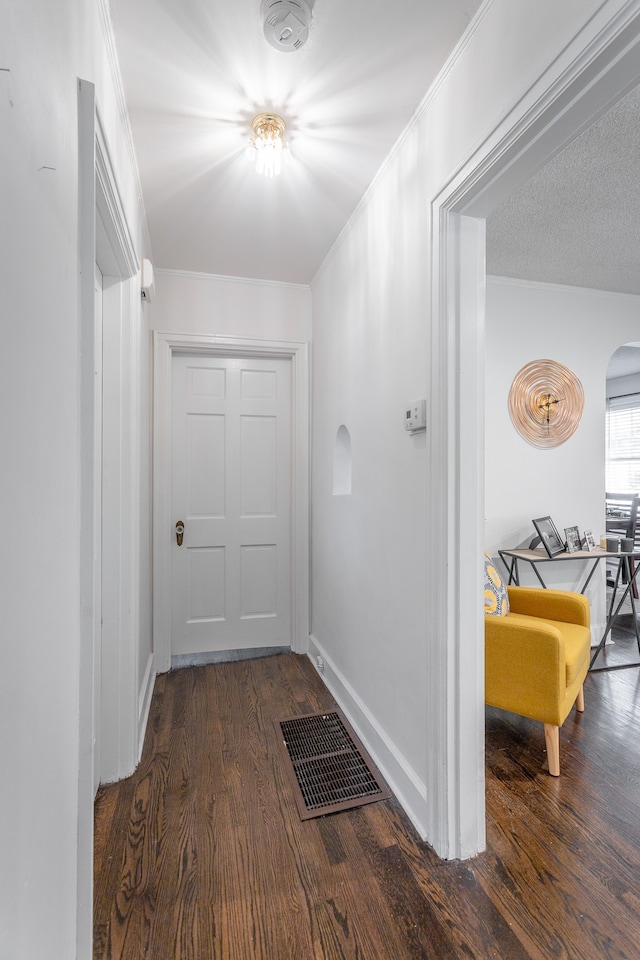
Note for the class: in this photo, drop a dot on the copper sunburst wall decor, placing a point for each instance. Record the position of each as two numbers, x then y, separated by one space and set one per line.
546 400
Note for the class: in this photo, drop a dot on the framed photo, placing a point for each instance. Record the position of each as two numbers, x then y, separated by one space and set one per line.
589 540
573 539
546 530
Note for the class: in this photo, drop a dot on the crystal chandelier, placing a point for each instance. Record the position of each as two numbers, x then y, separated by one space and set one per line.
267 146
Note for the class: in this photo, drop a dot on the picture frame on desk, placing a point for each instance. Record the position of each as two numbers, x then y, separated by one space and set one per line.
589 540
546 530
573 539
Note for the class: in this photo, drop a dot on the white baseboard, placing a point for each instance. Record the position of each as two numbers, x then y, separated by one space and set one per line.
406 785
144 702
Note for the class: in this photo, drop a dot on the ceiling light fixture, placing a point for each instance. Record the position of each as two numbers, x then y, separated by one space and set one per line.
267 146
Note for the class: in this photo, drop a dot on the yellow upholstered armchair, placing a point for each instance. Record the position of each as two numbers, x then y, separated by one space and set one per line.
537 657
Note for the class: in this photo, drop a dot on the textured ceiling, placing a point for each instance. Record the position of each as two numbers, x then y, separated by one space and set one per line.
624 362
195 72
577 221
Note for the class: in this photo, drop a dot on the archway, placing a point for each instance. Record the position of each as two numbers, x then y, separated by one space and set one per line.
622 451
604 67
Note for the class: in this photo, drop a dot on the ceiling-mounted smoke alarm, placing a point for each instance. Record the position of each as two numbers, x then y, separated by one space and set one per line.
286 23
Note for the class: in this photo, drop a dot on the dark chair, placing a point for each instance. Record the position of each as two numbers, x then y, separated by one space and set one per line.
622 520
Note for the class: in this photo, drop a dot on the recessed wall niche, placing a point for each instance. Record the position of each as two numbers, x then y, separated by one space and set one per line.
342 463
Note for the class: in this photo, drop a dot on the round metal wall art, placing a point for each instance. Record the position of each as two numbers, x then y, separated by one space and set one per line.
546 400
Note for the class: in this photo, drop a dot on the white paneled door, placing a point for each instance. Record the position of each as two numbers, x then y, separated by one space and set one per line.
231 489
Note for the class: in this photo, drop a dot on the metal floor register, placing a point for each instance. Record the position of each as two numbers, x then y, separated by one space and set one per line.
330 769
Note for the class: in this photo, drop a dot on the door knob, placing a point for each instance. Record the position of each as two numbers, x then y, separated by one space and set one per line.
179 532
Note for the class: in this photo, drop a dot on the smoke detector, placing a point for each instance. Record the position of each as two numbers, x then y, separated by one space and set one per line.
286 23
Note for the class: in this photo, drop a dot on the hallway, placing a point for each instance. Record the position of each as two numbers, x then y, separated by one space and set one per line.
201 854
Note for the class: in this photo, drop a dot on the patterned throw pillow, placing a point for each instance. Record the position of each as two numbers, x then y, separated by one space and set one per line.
496 598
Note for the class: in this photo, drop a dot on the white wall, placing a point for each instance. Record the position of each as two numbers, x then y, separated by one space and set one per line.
46 822
369 549
196 303
581 329
375 322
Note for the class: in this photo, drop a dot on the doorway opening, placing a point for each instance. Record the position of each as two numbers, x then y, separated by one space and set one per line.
605 68
622 428
166 347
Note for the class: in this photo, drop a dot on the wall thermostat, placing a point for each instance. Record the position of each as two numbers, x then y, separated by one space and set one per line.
415 416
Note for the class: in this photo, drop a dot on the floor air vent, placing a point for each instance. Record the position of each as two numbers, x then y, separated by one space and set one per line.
330 768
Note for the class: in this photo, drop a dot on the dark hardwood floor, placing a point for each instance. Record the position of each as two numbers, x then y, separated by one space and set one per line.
201 855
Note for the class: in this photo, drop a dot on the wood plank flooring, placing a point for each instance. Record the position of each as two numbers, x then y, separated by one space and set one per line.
201 855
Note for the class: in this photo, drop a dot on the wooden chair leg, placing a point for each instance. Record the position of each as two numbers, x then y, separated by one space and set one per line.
580 700
552 737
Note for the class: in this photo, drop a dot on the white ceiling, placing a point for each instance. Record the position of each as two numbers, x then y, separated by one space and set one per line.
195 73
624 362
577 221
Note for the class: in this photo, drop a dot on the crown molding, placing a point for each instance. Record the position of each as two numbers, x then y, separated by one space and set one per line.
565 288
194 274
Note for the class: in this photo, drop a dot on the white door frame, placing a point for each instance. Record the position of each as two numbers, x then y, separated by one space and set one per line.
104 238
599 66
97 528
165 345
116 256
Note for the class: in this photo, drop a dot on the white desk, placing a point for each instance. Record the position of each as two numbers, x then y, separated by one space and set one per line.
511 558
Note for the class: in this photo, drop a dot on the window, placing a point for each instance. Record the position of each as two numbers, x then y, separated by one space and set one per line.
623 444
